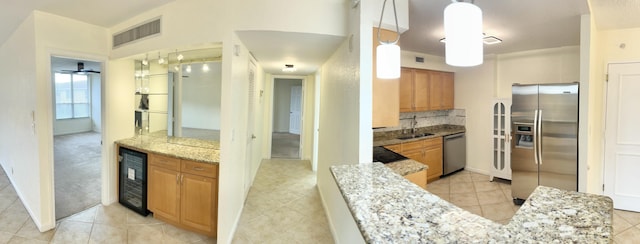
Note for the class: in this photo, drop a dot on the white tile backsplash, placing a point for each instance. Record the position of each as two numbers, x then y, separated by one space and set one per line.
430 118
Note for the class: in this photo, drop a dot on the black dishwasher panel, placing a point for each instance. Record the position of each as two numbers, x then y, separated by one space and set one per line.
133 180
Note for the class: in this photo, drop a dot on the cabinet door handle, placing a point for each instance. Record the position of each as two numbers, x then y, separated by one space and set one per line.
198 168
181 177
178 179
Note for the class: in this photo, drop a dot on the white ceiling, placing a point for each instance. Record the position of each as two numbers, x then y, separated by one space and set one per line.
274 49
523 25
616 14
98 12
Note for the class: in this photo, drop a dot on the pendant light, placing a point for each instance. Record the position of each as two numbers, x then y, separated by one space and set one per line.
388 52
463 32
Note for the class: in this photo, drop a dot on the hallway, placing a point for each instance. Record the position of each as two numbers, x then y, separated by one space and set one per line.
284 206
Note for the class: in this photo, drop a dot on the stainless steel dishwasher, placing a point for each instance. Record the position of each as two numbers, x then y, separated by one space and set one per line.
454 153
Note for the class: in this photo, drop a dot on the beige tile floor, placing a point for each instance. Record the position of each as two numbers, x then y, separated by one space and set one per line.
99 224
283 206
475 193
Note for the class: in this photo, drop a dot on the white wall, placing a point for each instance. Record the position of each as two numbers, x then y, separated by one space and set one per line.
19 143
233 139
554 65
474 92
605 49
308 121
71 126
26 152
282 103
201 97
345 94
96 102
58 36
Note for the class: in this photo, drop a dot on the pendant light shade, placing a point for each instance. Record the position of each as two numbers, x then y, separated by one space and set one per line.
463 32
388 52
388 61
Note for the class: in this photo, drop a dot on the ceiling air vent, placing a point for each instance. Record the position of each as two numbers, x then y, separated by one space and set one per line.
146 29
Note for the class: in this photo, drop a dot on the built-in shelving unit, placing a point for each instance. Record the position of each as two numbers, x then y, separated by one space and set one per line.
151 96
501 165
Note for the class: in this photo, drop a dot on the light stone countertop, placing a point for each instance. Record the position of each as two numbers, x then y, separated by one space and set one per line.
183 148
384 138
389 209
406 167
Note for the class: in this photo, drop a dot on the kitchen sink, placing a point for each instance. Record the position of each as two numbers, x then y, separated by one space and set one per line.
412 136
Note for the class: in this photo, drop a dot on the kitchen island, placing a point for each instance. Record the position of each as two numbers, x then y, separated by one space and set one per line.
390 209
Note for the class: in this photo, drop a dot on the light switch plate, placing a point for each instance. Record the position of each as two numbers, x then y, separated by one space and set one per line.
131 174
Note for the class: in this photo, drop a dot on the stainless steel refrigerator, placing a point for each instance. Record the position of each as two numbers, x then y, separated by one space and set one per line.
544 144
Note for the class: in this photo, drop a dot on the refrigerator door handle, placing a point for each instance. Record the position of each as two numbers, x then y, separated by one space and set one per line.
535 137
540 136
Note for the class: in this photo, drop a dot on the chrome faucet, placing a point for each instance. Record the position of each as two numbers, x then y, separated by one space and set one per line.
414 122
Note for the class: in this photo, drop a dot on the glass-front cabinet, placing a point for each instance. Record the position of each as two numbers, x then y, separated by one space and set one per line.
501 165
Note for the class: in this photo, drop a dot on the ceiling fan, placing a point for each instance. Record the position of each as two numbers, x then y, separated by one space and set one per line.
81 70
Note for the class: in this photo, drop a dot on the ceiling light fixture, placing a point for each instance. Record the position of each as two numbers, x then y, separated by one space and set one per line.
145 61
205 67
489 40
463 33
288 68
160 59
388 52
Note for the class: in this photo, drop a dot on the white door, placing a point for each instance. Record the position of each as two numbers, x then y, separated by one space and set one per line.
295 110
250 127
622 137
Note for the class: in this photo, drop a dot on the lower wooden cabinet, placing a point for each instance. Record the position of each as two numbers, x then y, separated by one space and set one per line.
183 193
419 178
427 151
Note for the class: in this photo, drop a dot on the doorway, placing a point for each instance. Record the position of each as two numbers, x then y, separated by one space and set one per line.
622 138
77 130
287 118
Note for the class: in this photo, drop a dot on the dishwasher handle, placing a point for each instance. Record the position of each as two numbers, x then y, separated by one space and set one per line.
454 136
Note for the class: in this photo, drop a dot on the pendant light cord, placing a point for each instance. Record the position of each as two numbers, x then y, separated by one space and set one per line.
395 15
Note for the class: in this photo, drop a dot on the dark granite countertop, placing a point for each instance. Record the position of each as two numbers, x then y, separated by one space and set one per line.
384 138
389 209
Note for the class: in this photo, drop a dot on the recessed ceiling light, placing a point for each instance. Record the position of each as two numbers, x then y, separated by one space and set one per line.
288 68
490 40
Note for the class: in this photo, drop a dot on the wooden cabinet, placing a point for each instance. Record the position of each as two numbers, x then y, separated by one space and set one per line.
427 151
419 178
164 193
385 91
433 158
184 193
414 90
440 90
424 90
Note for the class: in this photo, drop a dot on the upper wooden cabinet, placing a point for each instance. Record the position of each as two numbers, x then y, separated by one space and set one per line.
385 91
423 90
440 90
